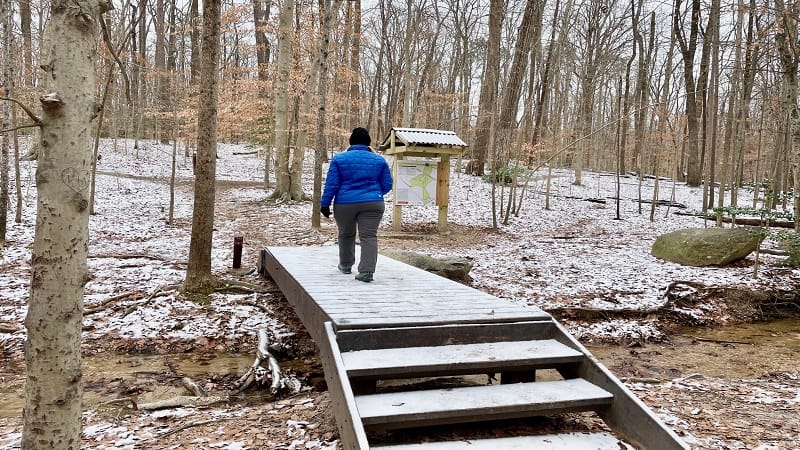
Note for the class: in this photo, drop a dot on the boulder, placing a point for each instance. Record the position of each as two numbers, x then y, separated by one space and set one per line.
705 246
450 267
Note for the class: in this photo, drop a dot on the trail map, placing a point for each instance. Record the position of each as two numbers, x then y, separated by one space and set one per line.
416 183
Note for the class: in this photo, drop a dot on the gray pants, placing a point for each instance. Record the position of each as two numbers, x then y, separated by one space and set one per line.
365 217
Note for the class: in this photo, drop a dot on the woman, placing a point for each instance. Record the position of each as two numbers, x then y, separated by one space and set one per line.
356 183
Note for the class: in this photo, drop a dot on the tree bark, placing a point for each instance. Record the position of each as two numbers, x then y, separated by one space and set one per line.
5 116
488 95
786 40
511 94
194 42
27 41
260 15
355 100
327 15
283 179
53 387
198 271
688 49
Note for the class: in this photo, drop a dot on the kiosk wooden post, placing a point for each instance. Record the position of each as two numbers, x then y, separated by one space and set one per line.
424 143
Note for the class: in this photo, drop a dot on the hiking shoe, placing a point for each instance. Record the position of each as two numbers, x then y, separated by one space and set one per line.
343 269
366 277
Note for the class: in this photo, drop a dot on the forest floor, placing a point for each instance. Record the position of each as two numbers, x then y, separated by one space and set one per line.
576 260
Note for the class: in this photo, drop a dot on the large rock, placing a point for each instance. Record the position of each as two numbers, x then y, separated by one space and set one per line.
705 246
452 268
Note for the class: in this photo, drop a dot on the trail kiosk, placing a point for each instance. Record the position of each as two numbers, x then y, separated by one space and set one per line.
421 170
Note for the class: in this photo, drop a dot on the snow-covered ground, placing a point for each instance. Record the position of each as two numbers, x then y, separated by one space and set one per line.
574 254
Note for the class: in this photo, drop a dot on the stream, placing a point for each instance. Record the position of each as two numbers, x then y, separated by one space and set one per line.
735 352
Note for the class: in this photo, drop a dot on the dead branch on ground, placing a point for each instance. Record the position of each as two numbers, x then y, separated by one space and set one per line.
253 303
256 372
101 306
124 256
159 292
182 400
8 328
193 387
196 423
719 341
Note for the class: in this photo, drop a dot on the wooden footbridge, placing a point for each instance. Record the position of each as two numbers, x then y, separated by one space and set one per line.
413 325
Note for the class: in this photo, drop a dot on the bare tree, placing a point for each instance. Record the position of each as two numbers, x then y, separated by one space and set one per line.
688 48
511 91
5 115
27 41
488 95
53 387
327 12
198 271
600 43
194 44
287 183
788 51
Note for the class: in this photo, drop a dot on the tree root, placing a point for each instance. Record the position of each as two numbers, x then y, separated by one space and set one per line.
254 305
239 287
160 291
739 305
102 305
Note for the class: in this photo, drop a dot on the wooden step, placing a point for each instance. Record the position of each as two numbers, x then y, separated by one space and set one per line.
567 441
458 359
478 403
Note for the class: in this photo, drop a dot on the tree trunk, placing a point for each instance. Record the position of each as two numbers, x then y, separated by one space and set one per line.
488 95
161 75
642 91
283 182
327 13
260 15
510 98
53 387
408 54
28 73
194 45
198 271
786 39
688 50
355 100
5 115
374 116
540 120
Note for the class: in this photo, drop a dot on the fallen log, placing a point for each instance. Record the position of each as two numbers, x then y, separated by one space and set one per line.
749 221
182 400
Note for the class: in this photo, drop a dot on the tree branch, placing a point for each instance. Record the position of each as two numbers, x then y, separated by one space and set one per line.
30 125
107 40
36 119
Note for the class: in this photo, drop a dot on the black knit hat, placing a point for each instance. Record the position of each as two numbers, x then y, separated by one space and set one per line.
360 136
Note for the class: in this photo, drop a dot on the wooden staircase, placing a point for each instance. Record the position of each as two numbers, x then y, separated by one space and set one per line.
358 362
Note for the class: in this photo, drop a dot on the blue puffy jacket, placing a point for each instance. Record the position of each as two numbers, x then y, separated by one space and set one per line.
356 176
